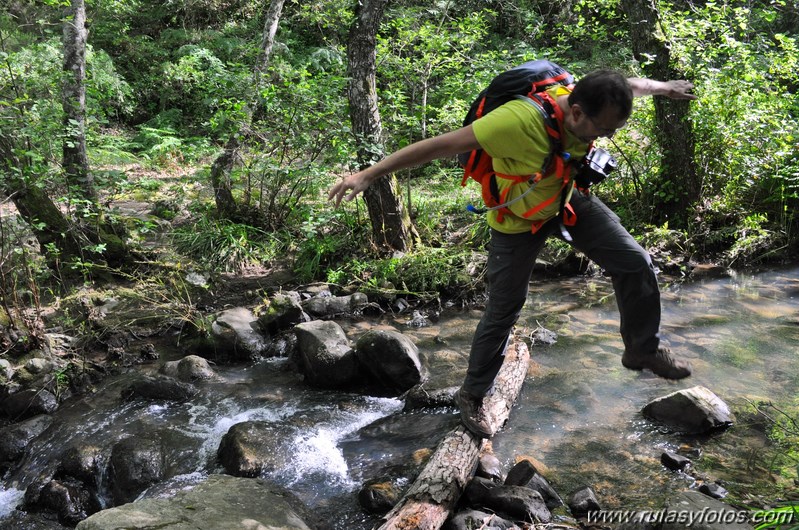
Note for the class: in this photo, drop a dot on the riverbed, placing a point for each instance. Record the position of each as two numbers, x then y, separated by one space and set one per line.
578 413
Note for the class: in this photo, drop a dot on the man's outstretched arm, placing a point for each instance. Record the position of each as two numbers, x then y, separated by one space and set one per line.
675 89
445 145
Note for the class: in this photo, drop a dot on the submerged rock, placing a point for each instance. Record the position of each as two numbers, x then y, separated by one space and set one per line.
135 464
378 496
215 503
69 498
583 501
694 410
705 514
674 462
251 448
420 397
14 439
159 388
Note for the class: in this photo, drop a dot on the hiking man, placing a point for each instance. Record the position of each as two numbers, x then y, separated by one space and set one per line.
515 137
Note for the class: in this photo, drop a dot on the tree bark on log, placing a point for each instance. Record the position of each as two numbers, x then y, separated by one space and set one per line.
433 495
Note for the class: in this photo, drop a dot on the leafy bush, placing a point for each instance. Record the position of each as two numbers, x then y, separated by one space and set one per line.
224 245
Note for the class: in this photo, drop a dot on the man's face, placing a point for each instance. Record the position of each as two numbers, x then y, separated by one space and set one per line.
588 128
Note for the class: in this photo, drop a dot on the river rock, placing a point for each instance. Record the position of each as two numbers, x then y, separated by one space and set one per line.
283 311
379 495
28 403
715 515
518 502
583 501
489 466
15 438
83 462
190 368
525 474
420 397
391 358
135 464
477 491
330 306
159 388
674 462
6 370
215 503
325 357
236 330
472 519
694 410
69 498
711 489
251 448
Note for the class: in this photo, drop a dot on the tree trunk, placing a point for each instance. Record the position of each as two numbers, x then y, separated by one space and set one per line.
222 167
678 184
226 205
436 490
391 223
268 38
76 161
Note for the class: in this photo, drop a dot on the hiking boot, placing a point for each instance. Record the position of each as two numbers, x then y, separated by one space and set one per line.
662 363
471 414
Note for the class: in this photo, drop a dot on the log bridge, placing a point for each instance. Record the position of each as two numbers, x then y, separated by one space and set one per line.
431 498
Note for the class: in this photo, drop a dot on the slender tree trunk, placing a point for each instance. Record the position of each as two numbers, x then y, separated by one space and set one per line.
391 223
679 184
222 167
268 39
226 205
76 161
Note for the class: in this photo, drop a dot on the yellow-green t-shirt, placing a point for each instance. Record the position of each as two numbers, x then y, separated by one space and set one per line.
515 136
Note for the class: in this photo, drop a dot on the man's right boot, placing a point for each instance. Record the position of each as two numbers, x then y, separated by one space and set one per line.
472 415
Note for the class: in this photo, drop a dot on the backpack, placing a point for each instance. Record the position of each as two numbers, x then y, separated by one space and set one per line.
527 81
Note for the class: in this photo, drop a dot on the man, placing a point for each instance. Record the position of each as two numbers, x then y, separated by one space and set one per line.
514 135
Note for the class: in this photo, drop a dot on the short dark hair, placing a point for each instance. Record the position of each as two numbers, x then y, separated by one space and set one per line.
602 88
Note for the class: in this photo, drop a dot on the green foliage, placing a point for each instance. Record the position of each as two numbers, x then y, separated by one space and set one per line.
224 245
781 518
424 272
745 118
430 55
327 237
201 85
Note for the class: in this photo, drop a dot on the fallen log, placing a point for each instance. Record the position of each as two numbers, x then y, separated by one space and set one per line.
433 495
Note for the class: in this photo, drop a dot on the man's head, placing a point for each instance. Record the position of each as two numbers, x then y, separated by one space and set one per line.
600 104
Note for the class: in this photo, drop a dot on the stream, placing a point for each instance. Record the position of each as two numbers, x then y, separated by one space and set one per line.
578 413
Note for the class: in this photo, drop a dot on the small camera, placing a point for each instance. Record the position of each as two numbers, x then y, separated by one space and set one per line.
595 168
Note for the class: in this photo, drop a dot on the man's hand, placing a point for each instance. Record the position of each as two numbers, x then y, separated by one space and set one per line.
679 89
357 182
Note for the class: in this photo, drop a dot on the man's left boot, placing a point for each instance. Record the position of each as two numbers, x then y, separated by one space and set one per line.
662 363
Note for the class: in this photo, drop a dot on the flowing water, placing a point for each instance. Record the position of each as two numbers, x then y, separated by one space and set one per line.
578 414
